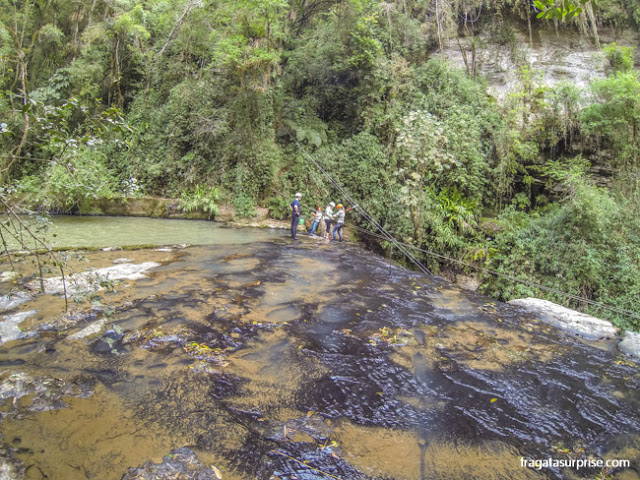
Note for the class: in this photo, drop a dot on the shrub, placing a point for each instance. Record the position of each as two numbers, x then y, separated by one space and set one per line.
201 199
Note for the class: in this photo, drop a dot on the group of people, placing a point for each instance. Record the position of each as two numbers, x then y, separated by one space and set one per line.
329 217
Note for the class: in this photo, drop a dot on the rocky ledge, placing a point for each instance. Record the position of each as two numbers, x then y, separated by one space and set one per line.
579 324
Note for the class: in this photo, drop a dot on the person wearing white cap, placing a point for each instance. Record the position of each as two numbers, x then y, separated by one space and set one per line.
328 215
295 215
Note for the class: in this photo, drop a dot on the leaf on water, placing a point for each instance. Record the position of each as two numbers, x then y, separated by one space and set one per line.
217 472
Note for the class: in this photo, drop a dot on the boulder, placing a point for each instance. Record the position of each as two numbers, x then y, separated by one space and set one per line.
468 282
567 320
630 344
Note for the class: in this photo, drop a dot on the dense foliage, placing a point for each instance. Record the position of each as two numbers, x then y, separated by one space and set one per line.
212 100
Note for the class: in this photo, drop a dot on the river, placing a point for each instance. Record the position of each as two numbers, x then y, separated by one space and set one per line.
273 360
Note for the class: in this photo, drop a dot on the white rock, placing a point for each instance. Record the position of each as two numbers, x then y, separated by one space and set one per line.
92 329
7 302
119 261
7 276
567 320
80 282
9 329
630 344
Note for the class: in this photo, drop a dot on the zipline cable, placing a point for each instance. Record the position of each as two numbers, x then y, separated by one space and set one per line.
386 235
571 296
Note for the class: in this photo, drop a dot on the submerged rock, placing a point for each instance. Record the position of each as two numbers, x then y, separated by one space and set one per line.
313 427
94 328
567 320
11 467
46 392
7 302
180 464
9 329
630 344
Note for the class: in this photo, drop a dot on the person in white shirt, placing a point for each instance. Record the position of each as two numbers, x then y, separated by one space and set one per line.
328 215
339 219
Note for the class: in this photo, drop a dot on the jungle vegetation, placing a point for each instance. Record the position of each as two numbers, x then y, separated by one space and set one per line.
210 100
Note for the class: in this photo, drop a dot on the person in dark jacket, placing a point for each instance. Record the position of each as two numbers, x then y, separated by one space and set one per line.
295 215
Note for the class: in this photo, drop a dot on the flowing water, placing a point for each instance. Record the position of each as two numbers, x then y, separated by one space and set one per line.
274 360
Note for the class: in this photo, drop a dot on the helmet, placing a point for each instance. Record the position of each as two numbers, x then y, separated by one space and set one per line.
298 195
319 209
331 204
339 205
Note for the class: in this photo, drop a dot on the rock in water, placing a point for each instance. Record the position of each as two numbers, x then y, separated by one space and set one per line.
180 464
630 344
567 320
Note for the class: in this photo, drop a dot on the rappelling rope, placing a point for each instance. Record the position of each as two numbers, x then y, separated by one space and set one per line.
571 296
385 234
403 247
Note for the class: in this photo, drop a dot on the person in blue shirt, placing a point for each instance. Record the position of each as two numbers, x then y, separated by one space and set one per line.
295 215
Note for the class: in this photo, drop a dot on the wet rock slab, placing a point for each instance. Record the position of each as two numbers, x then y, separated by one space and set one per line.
11 467
9 329
8 302
180 464
45 393
93 280
567 320
630 344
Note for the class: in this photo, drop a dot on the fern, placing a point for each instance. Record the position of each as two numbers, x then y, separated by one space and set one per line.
201 199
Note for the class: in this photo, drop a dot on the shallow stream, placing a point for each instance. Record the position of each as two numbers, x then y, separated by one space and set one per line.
274 360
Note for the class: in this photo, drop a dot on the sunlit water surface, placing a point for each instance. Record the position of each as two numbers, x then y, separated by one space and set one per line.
77 231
